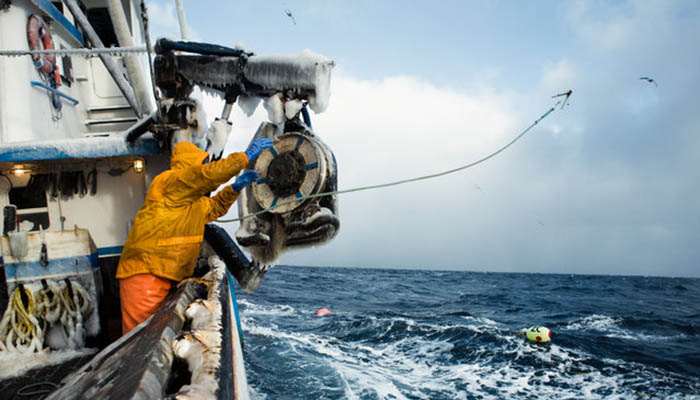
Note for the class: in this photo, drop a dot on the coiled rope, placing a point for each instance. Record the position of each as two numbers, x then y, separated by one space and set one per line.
23 326
401 182
20 329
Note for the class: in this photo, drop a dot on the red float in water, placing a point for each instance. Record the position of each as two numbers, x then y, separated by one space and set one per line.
323 311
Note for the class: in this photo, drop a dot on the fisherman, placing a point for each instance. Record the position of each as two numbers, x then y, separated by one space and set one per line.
165 239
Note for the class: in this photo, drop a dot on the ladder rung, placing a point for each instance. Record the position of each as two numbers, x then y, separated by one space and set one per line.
110 121
109 108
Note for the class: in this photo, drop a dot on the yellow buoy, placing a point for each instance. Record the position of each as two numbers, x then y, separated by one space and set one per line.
538 334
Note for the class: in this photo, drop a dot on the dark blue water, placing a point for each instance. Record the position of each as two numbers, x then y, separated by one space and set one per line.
406 334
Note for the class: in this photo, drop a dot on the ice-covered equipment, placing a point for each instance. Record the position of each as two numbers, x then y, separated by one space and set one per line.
299 165
234 74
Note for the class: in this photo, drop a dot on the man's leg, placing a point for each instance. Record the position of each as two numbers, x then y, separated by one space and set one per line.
140 297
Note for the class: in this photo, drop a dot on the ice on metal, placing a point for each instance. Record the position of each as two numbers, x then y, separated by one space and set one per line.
275 109
292 108
248 104
307 71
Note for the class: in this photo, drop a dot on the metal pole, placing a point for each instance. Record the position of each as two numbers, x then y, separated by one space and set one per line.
111 65
184 31
138 82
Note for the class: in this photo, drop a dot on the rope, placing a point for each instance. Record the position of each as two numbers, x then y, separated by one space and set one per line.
21 391
149 50
20 330
113 51
401 182
23 327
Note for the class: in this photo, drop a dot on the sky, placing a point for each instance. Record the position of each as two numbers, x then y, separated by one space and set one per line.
608 184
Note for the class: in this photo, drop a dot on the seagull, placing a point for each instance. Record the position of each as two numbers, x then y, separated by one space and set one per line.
650 80
289 14
564 102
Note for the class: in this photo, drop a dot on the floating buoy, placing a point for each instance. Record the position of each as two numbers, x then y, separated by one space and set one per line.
323 311
538 334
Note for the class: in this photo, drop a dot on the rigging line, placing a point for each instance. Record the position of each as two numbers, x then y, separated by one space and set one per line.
400 182
149 50
113 51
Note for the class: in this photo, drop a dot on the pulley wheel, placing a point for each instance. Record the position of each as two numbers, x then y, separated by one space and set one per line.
295 167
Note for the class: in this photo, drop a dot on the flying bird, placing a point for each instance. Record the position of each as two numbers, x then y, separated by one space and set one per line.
290 15
650 80
566 99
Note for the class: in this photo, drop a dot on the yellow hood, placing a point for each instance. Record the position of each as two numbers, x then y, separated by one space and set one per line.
185 154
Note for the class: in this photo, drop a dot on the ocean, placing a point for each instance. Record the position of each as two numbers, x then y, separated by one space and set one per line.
416 334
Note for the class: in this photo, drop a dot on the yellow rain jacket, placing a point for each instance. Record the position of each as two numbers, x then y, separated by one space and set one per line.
169 228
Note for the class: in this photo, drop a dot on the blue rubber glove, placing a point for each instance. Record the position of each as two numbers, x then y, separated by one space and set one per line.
244 180
255 148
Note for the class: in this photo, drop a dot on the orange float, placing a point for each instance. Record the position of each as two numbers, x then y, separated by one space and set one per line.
323 311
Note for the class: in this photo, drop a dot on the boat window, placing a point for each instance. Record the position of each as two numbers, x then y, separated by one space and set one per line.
102 23
32 208
67 76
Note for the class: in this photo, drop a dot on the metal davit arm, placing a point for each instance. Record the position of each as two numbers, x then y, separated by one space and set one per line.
110 64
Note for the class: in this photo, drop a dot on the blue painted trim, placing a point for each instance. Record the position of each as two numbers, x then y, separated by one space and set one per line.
55 91
299 141
273 151
262 180
101 252
235 304
55 14
89 147
274 201
109 251
311 166
299 195
59 266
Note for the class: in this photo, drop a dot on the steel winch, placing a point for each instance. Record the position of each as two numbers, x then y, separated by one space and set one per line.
299 165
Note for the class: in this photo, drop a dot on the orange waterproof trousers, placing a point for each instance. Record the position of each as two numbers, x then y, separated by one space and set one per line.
140 297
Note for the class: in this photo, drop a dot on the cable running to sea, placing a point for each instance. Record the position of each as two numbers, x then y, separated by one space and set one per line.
400 182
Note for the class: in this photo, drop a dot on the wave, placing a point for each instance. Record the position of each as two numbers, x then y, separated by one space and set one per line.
256 309
425 368
384 344
612 327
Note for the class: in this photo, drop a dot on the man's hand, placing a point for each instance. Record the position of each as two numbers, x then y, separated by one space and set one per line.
245 179
255 148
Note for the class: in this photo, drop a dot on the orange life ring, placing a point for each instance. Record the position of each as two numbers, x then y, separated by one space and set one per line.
39 38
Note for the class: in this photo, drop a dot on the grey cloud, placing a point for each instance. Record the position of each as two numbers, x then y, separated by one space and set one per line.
615 191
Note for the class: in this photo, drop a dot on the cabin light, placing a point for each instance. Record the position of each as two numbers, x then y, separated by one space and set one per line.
18 170
139 165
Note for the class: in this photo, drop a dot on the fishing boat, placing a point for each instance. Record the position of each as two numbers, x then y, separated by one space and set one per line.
89 112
